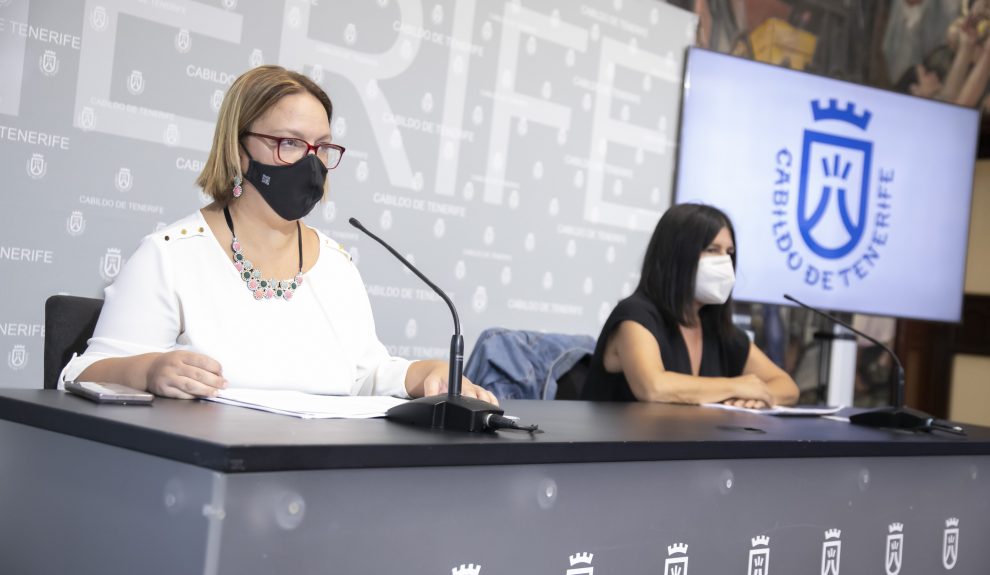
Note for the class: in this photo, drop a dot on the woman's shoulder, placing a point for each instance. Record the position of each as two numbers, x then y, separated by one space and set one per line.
190 227
739 339
332 250
638 303
640 308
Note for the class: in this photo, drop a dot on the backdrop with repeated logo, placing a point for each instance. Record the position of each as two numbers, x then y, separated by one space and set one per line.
519 152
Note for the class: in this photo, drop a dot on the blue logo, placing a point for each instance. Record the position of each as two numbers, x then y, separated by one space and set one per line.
834 185
835 230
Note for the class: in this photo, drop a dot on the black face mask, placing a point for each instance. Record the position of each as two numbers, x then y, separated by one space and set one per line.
291 190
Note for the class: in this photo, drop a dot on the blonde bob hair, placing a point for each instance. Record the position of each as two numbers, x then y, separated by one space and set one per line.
249 97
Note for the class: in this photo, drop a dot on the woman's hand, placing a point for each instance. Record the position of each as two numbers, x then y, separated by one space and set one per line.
434 382
185 375
747 403
749 391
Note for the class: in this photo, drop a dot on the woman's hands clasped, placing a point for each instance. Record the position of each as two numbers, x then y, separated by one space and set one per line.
750 392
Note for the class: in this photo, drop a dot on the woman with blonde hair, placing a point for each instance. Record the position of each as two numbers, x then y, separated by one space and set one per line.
241 293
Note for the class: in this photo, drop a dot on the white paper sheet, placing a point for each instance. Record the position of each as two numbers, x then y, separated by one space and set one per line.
308 405
782 411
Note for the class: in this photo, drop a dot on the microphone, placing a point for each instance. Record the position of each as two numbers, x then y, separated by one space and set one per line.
896 416
450 411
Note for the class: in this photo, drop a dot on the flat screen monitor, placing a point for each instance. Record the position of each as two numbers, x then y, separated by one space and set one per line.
848 197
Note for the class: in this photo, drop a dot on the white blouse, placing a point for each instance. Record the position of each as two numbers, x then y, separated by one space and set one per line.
180 291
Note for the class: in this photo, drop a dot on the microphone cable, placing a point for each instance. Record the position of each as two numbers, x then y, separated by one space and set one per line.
495 422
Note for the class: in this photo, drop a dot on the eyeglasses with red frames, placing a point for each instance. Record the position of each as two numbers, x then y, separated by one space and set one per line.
291 150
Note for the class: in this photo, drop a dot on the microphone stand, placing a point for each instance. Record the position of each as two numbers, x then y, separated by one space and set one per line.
450 410
897 416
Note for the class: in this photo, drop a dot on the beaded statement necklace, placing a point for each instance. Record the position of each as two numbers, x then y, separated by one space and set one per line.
260 287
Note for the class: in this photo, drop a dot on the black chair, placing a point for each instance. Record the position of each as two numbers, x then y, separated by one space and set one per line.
570 384
69 323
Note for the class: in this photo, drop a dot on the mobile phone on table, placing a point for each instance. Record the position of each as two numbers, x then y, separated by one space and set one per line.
109 393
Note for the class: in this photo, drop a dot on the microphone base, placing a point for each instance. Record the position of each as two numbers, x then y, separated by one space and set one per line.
902 418
457 413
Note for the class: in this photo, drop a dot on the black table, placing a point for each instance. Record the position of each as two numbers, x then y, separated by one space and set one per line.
196 487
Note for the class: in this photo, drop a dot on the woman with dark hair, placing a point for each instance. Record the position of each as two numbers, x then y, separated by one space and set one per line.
673 339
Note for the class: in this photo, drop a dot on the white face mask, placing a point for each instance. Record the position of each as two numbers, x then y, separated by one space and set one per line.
715 279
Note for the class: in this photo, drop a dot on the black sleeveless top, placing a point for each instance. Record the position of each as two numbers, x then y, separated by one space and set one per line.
719 358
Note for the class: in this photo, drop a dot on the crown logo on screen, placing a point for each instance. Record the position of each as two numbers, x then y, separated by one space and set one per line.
760 540
952 522
847 114
833 534
677 548
469 569
581 558
895 527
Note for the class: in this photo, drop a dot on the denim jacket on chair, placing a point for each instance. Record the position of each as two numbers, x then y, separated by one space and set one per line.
517 364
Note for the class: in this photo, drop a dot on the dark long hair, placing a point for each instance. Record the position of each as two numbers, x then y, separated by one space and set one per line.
670 265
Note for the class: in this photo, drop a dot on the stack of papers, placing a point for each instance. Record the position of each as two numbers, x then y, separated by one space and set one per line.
781 410
308 405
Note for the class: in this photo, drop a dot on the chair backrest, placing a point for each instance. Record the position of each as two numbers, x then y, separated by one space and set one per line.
571 383
69 323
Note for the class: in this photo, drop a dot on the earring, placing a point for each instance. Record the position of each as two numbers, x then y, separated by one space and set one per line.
237 187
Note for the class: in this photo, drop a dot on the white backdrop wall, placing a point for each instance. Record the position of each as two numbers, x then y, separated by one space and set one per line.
519 152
